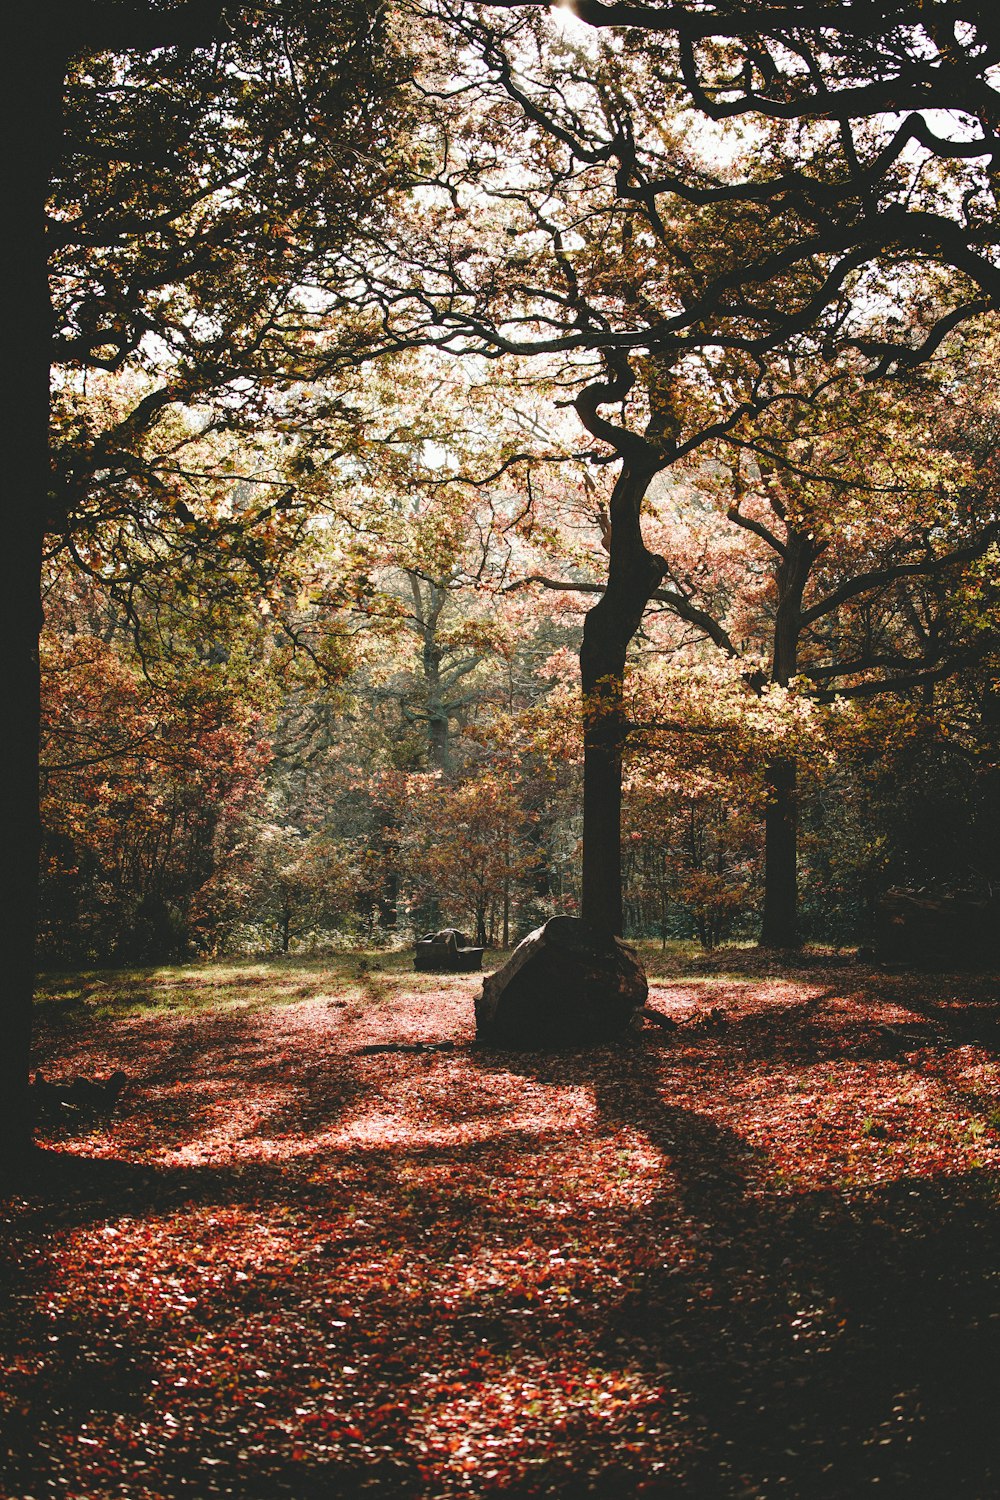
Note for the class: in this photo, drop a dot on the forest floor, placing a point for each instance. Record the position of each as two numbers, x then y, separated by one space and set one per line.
756 1255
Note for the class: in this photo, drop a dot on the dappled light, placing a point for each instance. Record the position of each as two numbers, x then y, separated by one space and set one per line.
754 1253
500 505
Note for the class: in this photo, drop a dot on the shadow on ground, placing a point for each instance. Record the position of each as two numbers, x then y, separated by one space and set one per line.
820 1345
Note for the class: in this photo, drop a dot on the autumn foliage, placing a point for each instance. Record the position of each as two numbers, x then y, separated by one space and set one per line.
754 1253
148 800
469 463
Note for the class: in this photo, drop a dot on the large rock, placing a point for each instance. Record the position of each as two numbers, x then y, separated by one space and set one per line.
447 951
565 985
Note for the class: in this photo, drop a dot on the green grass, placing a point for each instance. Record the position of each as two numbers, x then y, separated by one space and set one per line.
285 979
361 975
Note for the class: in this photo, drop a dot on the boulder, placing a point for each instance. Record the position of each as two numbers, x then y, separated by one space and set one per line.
448 951
565 985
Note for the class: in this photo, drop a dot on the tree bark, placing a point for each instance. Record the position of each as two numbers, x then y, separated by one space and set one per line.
601 673
31 115
780 924
633 574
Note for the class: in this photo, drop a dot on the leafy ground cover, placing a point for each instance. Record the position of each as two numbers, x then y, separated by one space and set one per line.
752 1256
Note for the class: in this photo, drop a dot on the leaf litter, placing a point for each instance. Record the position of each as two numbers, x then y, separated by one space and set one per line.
755 1255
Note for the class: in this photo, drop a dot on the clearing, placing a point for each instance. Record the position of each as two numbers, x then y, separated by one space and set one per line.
756 1255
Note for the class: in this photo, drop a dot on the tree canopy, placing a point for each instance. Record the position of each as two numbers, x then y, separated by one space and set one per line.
372 345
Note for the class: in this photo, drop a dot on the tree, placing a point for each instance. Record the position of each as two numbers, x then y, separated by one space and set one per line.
152 759
207 172
448 665
465 847
691 834
884 125
868 515
627 239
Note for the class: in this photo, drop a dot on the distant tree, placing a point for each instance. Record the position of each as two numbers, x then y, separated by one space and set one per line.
464 846
869 510
152 774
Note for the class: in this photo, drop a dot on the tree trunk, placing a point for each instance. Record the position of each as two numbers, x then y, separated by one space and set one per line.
438 742
780 928
633 574
31 112
603 738
780 925
427 614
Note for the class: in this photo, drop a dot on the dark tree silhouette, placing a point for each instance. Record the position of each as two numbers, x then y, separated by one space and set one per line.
177 174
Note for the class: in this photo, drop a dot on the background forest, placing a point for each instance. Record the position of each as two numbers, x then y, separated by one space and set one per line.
374 728
334 491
